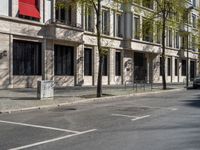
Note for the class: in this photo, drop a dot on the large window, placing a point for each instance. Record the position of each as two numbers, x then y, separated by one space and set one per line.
147 30
183 67
148 3
105 66
119 25
118 63
136 27
176 67
64 60
170 37
88 61
161 66
194 21
64 14
177 40
27 58
89 18
169 66
105 22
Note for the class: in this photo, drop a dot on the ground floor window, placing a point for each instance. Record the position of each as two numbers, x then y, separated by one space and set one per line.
88 61
176 67
118 64
27 58
161 73
64 60
169 66
105 66
183 67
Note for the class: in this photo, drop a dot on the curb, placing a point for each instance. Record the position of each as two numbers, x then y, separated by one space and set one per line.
102 99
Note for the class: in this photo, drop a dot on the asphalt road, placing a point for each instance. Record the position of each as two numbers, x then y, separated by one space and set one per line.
168 121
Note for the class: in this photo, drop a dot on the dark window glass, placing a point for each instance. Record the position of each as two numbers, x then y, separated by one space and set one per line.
64 60
169 67
88 61
27 58
161 73
176 67
105 66
147 3
137 27
147 30
183 67
118 64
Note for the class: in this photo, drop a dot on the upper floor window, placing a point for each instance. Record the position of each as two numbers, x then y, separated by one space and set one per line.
170 37
119 25
64 13
147 30
147 3
194 3
4 7
105 22
136 27
28 9
194 21
89 18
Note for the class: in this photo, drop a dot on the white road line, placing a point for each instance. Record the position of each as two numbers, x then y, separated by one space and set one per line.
52 140
142 117
38 126
121 115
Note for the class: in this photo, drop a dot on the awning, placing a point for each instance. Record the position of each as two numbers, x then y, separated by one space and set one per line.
28 9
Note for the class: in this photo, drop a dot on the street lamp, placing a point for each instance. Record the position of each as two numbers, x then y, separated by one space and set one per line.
187 57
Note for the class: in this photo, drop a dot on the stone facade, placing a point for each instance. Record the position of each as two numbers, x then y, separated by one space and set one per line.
49 32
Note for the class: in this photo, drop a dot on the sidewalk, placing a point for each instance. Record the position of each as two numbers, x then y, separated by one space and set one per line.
26 99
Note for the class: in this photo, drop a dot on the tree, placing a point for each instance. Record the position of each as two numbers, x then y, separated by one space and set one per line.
167 13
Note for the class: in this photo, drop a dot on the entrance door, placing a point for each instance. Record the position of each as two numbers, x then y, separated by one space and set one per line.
140 67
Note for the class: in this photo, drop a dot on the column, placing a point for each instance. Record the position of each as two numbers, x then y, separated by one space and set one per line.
53 10
123 67
10 61
14 8
148 68
95 65
41 8
111 71
189 69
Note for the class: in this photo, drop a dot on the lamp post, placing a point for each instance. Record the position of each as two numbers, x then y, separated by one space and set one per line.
187 57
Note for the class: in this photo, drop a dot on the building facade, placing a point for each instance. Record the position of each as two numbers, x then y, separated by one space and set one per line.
40 41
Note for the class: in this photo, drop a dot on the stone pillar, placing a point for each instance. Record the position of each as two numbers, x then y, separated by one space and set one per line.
48 60
79 64
111 66
172 69
112 23
41 8
14 8
53 10
95 65
10 61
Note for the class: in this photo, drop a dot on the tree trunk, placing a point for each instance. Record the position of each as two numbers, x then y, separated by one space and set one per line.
98 26
163 52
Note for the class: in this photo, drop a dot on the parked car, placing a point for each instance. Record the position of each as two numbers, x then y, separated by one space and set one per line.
196 82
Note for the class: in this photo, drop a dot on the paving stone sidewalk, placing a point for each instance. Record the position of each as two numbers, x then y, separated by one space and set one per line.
22 99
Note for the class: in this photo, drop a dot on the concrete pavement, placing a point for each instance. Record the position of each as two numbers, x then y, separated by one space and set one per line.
165 121
25 99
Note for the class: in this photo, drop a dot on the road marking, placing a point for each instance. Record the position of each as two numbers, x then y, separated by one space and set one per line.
52 140
121 115
142 117
38 126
